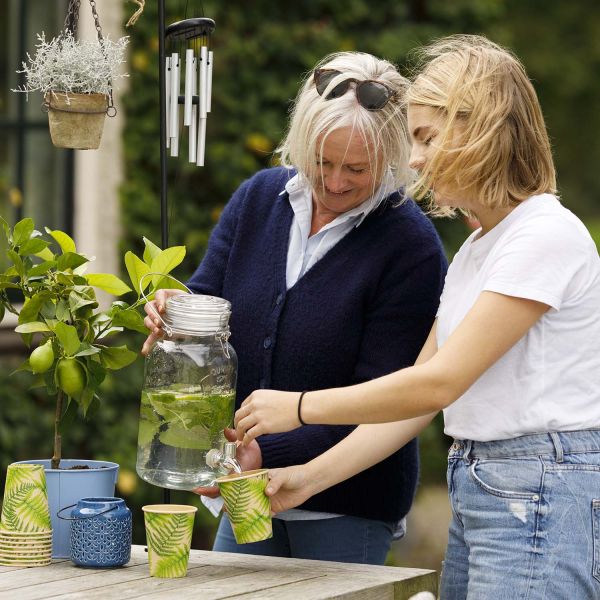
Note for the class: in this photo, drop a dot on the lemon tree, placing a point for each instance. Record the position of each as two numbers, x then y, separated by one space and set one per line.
59 318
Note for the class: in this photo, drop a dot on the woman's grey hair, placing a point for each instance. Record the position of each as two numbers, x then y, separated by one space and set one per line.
384 131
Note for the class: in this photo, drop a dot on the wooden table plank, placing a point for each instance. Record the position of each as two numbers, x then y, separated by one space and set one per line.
147 586
219 588
60 570
216 576
325 588
359 587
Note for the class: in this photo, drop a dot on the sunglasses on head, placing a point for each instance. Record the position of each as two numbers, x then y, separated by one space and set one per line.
371 94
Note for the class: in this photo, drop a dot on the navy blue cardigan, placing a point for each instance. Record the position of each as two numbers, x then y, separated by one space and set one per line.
362 311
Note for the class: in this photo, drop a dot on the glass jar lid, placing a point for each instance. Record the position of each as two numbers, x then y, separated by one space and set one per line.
197 314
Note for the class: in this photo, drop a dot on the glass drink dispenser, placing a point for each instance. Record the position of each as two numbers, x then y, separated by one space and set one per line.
188 396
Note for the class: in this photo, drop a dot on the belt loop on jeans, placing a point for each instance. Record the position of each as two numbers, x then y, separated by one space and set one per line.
558 447
468 447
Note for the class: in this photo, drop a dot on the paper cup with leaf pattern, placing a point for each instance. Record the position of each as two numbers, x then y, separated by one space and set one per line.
248 507
25 504
169 538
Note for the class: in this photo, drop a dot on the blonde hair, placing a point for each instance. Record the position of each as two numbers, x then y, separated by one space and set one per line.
313 118
494 145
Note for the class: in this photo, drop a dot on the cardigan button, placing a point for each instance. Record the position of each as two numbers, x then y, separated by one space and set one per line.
267 343
279 299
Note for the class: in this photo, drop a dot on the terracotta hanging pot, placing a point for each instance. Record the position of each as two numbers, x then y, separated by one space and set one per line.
76 120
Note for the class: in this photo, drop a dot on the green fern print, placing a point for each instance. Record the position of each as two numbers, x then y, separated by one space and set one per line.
25 505
169 538
248 508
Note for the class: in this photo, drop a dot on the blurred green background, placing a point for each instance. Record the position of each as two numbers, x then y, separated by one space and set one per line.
262 50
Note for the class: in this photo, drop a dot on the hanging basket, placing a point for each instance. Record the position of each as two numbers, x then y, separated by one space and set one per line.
76 120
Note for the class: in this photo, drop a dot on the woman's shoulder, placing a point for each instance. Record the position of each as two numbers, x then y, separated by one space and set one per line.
545 218
404 216
273 179
260 191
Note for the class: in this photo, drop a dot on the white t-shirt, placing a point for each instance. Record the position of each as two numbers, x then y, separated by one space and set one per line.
550 379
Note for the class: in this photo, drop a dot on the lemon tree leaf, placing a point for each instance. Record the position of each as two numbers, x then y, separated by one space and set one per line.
31 308
137 268
109 283
131 319
32 246
33 327
45 254
166 261
22 231
67 336
65 241
116 357
150 251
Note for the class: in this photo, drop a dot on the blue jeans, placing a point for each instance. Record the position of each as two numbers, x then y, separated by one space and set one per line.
343 539
525 518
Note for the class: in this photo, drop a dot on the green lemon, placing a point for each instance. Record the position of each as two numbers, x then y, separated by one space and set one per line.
41 358
71 377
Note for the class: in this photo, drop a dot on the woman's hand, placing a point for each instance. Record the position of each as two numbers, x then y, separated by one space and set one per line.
288 487
266 411
249 458
151 321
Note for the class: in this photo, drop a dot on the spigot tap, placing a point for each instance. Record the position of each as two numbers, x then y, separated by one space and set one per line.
225 460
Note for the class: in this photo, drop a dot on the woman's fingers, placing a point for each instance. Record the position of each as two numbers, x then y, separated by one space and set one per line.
266 411
147 346
152 320
208 491
151 308
276 479
152 324
247 429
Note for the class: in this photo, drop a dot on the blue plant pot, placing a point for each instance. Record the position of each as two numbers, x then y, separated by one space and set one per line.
100 532
67 486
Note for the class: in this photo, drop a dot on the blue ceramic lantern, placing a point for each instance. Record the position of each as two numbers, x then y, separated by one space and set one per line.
100 532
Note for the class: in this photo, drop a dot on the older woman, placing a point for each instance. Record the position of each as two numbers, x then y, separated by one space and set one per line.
334 278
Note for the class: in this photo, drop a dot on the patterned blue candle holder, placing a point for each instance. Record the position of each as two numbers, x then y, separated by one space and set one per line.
100 532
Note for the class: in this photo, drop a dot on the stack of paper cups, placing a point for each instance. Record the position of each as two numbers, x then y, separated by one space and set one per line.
25 530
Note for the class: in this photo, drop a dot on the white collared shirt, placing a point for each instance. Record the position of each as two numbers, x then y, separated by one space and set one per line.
305 250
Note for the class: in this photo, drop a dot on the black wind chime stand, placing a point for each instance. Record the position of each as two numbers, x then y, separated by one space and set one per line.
193 35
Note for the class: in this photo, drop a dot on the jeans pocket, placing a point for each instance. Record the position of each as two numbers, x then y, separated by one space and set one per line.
513 478
596 535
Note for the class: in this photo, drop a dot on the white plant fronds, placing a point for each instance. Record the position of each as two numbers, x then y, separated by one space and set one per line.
69 65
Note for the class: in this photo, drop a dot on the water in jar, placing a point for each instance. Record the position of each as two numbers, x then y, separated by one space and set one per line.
179 424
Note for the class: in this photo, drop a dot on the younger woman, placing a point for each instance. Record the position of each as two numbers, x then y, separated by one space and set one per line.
513 358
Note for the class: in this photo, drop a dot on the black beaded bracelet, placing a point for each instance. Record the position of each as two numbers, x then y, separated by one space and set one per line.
300 408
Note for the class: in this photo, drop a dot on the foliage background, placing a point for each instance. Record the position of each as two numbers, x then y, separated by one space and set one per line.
262 50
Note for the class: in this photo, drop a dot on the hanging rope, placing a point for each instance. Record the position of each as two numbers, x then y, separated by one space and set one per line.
136 15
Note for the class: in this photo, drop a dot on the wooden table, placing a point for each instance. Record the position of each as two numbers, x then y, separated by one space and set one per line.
214 575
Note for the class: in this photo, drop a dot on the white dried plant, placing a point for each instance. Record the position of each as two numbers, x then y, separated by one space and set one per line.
68 65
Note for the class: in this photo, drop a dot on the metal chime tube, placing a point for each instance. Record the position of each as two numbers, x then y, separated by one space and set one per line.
194 115
168 99
202 106
189 73
174 116
209 80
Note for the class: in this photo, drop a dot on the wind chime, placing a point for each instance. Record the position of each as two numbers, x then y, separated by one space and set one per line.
188 53
190 59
